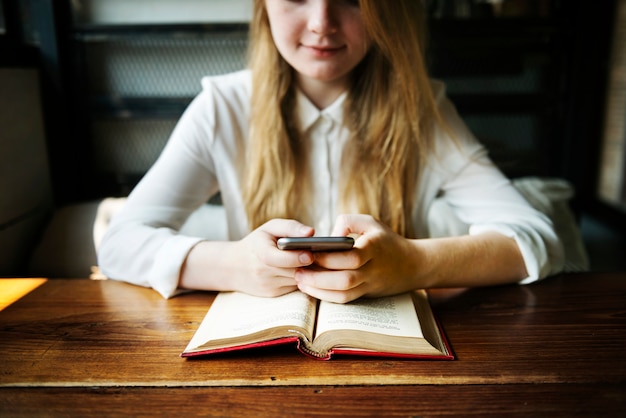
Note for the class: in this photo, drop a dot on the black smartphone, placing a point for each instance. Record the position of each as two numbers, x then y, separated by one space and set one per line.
316 243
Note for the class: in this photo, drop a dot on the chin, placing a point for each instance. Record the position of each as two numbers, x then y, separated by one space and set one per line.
324 77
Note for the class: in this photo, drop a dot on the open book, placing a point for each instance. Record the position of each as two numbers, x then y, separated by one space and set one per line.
395 326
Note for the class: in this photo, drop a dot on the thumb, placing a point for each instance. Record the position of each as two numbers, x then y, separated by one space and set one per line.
353 224
287 228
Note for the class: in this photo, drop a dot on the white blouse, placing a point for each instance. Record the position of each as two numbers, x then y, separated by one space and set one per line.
205 154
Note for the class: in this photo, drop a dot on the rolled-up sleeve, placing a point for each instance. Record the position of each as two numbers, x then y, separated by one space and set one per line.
462 174
143 245
148 240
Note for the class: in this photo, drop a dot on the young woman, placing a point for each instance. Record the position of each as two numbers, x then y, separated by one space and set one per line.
335 129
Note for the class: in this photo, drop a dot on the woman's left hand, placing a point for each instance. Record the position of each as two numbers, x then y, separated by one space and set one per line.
381 263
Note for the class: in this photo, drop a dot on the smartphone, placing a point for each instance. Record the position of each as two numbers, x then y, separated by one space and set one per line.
316 243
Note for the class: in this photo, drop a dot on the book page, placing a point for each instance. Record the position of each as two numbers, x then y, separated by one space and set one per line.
393 315
236 314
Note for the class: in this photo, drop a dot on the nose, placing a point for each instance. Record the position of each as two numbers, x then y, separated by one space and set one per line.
321 19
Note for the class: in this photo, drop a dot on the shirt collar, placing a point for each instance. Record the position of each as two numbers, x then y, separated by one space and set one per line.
309 113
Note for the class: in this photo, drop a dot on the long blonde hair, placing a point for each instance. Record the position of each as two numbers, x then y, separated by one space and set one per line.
390 113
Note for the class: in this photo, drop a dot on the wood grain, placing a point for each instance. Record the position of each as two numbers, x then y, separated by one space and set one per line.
118 344
319 401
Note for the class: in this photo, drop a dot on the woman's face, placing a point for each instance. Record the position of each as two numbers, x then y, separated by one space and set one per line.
323 40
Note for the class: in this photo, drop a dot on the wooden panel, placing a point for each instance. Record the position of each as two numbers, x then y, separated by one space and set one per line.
81 333
370 401
104 348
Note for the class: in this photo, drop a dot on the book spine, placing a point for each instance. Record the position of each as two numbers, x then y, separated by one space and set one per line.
302 347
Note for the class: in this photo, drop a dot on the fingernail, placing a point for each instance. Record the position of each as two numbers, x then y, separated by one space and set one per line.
305 258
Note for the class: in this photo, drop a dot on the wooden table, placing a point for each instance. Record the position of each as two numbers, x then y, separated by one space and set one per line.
104 348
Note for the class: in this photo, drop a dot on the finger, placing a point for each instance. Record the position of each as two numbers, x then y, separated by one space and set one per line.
353 224
336 296
287 258
341 280
342 260
287 228
273 283
276 228
272 292
284 275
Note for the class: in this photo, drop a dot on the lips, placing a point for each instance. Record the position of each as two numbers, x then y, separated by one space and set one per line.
324 51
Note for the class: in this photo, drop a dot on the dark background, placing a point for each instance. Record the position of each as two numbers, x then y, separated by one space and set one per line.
530 80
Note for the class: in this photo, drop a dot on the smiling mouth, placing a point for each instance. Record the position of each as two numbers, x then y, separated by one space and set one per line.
322 51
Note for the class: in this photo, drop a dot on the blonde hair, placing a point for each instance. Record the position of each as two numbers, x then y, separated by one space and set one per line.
383 157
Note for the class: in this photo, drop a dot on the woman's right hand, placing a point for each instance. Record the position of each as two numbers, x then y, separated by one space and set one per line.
252 265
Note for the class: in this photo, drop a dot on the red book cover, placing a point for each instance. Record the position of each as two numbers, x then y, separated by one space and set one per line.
422 337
